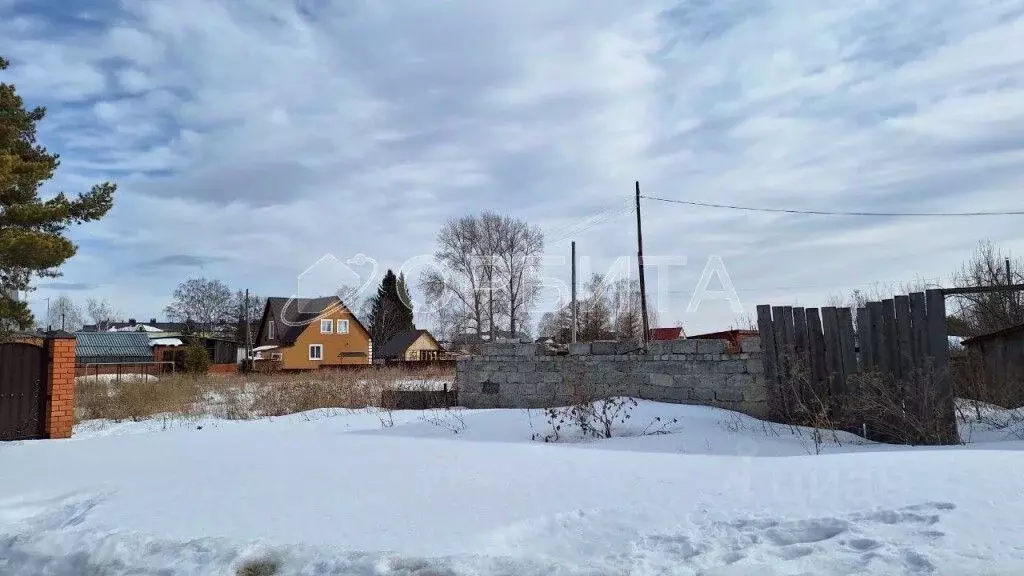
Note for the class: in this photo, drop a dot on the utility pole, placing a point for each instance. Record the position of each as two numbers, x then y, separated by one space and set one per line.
574 325
48 326
1012 302
248 331
640 264
61 321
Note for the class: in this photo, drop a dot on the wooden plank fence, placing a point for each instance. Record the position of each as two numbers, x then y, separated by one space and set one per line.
881 370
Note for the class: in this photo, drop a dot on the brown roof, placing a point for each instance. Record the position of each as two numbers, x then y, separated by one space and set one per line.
294 314
400 342
666 333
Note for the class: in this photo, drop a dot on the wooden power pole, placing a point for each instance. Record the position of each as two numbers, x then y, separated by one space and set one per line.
573 305
248 333
640 264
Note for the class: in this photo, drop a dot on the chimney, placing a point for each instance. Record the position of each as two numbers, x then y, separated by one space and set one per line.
152 320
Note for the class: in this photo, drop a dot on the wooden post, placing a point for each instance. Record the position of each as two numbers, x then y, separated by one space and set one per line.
847 348
889 346
904 337
938 345
833 360
816 351
867 359
640 264
800 335
877 335
770 358
575 327
248 334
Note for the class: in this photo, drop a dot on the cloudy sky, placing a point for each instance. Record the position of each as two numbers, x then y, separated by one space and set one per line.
250 138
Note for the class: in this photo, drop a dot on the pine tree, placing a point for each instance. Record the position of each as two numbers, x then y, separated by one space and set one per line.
32 230
390 309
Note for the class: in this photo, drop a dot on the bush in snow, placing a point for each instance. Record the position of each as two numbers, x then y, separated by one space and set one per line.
593 412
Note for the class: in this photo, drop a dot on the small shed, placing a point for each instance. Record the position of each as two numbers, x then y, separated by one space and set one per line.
112 352
995 367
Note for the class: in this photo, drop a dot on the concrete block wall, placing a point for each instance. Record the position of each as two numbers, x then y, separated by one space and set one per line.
703 372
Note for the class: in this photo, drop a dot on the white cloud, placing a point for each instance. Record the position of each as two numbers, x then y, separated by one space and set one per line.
270 133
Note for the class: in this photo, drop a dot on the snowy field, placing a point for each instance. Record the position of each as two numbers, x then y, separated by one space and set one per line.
468 493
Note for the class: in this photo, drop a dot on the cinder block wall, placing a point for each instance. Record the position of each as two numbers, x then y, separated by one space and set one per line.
60 407
694 371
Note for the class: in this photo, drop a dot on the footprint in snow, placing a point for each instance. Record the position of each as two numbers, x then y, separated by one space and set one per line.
887 541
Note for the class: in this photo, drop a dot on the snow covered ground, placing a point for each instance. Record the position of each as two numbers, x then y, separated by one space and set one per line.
468 493
114 378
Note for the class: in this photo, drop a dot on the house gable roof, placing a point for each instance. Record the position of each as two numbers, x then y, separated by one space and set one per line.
294 315
400 342
666 333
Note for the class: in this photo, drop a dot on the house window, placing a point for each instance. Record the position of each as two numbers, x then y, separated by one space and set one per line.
326 326
342 326
316 352
270 330
275 356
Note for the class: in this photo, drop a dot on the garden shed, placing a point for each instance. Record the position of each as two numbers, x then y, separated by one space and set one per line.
112 353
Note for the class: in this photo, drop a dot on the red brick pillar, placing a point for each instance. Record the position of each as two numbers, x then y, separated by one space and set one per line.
60 405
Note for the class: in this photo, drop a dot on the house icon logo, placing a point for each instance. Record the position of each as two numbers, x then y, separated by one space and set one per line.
349 280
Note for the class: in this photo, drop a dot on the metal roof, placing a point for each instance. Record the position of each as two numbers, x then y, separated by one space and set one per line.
112 347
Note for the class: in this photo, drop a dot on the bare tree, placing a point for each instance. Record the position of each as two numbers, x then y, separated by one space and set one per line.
595 314
204 302
251 310
101 312
486 250
519 249
487 277
990 311
625 304
455 289
65 314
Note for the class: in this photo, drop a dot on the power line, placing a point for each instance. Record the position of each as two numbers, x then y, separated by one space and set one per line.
834 213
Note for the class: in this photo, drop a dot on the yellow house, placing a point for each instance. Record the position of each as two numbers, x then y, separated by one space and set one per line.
309 333
410 346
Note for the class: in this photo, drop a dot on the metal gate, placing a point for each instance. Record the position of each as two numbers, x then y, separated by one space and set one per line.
22 391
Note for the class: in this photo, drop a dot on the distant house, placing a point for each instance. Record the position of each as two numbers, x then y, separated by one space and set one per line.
169 347
133 326
410 346
311 333
667 333
732 336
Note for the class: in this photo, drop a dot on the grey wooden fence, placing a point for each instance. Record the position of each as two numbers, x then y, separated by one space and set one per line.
883 374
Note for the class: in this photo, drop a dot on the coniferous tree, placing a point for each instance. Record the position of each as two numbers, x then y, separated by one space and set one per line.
390 309
32 230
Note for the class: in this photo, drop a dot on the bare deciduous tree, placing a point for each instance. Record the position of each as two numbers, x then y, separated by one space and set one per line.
487 277
65 314
204 302
455 288
519 251
990 311
101 312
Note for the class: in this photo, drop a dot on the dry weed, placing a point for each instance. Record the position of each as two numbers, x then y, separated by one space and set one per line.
243 397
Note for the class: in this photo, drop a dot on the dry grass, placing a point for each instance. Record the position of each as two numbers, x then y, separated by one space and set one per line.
244 397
